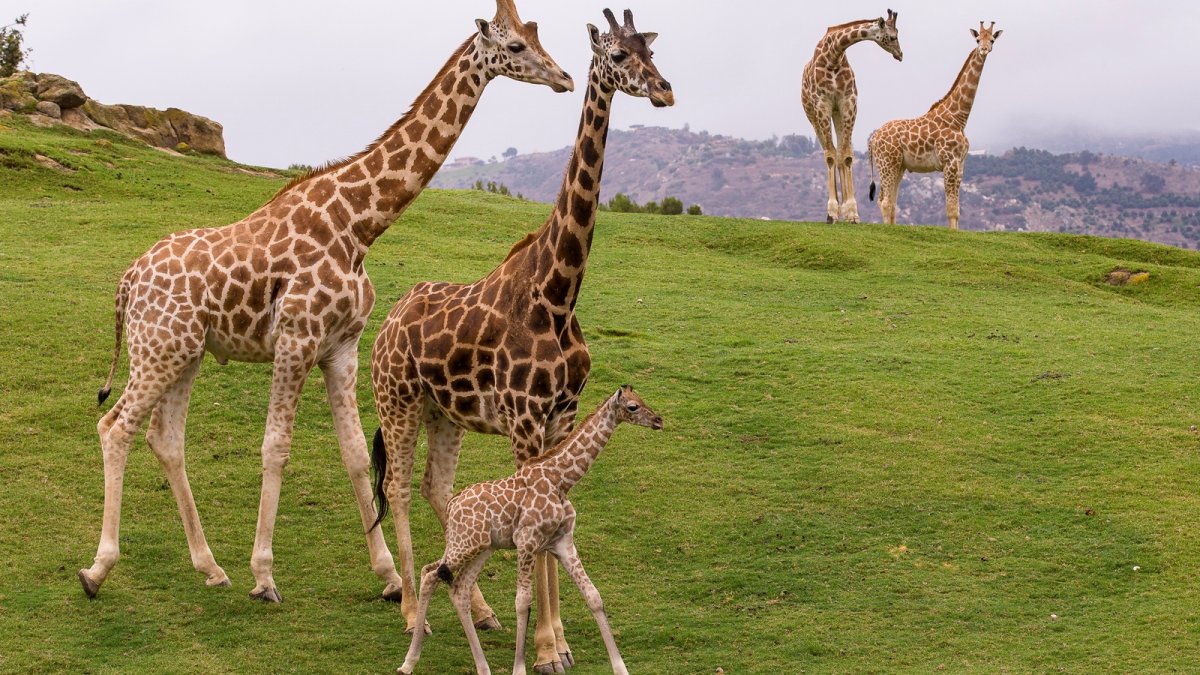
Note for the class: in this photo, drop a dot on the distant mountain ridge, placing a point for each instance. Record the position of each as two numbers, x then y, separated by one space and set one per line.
1022 189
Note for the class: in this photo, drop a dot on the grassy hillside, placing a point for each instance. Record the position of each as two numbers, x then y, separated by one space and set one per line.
887 448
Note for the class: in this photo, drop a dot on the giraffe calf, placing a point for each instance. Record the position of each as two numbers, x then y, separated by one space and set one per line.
528 511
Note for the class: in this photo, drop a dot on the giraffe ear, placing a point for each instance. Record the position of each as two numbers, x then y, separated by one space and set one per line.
996 34
975 33
881 22
594 36
650 38
485 29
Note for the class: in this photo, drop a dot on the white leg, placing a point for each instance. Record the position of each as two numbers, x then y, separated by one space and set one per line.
400 426
460 592
429 582
569 557
165 436
117 428
293 361
341 379
525 563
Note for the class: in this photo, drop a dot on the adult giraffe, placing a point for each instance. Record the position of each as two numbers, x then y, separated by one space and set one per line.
505 355
830 98
935 141
286 285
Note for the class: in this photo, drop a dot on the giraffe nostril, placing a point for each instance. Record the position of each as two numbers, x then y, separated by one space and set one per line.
664 85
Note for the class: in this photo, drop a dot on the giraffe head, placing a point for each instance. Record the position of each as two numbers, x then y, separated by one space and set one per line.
624 61
510 48
985 37
631 408
884 33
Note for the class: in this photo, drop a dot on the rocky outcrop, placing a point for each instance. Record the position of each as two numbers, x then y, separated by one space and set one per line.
50 99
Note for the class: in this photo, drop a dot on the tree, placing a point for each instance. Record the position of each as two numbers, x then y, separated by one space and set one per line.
510 153
694 210
11 53
1152 183
672 206
651 207
621 203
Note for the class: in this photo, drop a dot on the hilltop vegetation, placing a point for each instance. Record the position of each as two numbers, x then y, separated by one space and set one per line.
887 448
784 178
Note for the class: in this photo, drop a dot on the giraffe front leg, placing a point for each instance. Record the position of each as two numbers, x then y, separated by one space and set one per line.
823 125
341 378
849 208
845 130
429 581
544 639
294 358
165 436
569 557
953 180
525 563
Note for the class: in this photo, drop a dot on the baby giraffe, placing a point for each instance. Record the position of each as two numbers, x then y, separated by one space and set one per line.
528 511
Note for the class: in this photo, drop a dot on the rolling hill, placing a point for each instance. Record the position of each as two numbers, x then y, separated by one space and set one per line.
887 448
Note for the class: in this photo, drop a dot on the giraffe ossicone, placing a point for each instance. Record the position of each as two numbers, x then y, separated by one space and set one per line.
505 355
286 285
935 141
830 98
530 512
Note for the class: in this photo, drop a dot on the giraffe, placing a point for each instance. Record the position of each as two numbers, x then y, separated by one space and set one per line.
830 99
505 355
286 285
530 512
934 141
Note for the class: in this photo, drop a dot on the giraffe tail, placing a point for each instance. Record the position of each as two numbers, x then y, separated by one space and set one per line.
871 163
122 301
445 574
379 470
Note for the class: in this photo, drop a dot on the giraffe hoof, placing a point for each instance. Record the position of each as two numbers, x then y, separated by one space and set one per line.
220 582
90 588
552 667
410 631
568 661
405 670
829 220
393 593
267 595
490 623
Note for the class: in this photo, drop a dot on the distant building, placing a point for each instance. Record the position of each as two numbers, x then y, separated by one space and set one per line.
463 162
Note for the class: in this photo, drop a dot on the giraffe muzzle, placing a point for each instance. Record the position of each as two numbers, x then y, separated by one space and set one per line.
661 95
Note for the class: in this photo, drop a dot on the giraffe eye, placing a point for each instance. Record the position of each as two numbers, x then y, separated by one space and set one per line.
618 57
516 47
632 407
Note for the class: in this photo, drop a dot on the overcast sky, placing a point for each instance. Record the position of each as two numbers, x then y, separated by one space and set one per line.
300 81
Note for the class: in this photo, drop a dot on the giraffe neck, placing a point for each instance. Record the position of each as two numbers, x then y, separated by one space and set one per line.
575 455
367 192
955 106
831 50
557 253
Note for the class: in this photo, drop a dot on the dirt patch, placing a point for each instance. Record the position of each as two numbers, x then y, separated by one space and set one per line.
51 164
1123 276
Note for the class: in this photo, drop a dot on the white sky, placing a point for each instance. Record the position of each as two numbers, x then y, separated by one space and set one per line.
307 81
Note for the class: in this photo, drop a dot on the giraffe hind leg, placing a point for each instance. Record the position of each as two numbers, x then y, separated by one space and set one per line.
165 436
149 379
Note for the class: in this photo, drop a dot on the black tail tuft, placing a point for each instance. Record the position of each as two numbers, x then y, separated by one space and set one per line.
379 470
102 395
872 191
445 574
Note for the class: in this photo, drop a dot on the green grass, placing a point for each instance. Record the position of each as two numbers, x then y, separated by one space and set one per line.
887 448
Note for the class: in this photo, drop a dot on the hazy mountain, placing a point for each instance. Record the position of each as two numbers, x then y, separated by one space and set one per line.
784 178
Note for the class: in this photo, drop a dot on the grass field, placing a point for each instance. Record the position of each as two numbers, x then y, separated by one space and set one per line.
887 448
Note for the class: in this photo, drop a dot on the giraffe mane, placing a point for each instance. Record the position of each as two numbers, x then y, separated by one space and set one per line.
523 244
543 458
335 164
957 80
847 25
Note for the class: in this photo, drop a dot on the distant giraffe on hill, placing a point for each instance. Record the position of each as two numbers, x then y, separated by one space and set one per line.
934 141
830 98
287 285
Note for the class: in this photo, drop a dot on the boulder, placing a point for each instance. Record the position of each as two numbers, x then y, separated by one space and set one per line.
58 89
49 109
160 128
17 91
